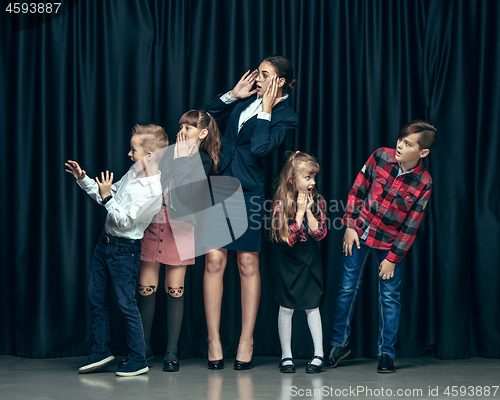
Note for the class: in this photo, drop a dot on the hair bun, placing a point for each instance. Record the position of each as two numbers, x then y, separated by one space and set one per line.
292 84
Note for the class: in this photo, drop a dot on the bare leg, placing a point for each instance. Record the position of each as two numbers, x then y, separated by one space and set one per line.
248 265
215 265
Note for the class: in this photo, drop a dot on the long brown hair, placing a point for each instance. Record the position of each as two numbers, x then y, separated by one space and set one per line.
200 119
284 202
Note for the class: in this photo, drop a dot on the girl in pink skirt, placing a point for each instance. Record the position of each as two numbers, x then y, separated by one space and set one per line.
159 246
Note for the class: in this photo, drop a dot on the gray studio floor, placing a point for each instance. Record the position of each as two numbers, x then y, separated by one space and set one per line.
416 378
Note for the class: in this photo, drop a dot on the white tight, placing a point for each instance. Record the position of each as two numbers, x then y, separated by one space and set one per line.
285 332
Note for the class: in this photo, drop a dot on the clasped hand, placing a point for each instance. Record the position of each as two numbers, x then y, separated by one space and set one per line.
304 201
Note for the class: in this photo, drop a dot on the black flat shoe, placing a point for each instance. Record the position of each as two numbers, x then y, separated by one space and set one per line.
240 365
218 364
171 365
313 368
289 368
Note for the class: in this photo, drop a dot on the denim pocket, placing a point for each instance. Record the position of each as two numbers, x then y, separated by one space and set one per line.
128 249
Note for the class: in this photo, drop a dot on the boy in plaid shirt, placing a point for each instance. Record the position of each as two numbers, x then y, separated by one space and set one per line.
385 207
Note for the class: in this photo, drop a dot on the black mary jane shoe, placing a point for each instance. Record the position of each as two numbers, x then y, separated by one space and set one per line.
313 368
241 366
218 364
288 368
171 365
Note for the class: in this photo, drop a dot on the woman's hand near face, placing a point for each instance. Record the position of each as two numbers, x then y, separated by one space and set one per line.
244 86
270 95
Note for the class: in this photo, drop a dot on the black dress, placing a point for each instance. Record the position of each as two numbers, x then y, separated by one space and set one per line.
299 272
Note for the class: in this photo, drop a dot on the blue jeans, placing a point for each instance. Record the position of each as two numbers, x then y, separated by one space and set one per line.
389 307
116 264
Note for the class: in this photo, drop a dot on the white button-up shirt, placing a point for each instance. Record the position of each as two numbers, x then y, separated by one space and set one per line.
134 204
254 108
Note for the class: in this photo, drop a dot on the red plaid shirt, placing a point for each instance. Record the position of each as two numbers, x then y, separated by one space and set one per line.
391 205
297 233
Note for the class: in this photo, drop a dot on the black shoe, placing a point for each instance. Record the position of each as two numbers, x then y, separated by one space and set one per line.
95 361
218 364
385 365
335 355
132 368
171 365
240 365
289 368
315 369
149 359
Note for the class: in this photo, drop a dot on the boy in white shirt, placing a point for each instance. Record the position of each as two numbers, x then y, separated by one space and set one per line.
132 202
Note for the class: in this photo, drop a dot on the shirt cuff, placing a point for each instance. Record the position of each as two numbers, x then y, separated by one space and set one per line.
84 182
319 233
393 258
264 115
296 234
348 222
227 99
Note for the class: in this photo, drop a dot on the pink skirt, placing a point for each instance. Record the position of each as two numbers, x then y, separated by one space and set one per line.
168 242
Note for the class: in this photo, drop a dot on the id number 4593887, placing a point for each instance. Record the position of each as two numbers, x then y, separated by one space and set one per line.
33 8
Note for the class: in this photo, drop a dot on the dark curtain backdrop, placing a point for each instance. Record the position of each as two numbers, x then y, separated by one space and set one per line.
74 86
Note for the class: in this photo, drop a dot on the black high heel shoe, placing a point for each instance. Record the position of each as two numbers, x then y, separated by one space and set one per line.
218 364
241 366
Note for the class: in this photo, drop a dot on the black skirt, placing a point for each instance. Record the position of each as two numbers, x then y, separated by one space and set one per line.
299 275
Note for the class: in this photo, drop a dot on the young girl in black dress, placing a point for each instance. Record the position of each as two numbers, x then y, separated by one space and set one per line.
298 222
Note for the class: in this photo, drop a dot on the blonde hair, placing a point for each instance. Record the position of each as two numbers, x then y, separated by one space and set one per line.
284 200
151 137
200 119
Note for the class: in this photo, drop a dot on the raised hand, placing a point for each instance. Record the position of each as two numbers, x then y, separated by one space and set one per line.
105 184
73 168
309 201
302 201
270 95
184 146
244 86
